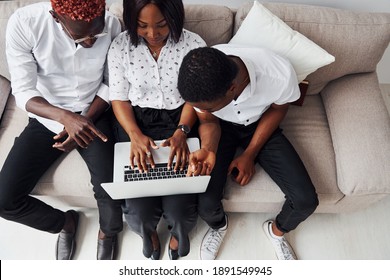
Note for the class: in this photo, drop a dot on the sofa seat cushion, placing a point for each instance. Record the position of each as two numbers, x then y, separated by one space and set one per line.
307 129
68 176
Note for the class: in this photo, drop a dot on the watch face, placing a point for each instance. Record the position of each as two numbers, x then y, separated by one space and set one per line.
185 128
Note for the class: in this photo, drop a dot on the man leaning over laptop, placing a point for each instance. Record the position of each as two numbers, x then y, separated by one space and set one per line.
241 95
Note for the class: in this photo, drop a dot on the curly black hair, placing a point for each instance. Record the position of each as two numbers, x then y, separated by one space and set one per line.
172 10
205 75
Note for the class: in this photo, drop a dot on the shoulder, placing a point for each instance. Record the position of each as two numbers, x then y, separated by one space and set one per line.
29 20
192 37
122 38
262 58
120 42
36 12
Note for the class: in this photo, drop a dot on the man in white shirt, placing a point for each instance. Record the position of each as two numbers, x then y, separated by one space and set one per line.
241 95
57 55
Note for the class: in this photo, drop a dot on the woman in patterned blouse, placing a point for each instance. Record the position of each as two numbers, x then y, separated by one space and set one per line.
144 63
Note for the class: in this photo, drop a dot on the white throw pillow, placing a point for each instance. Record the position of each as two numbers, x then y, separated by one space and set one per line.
263 29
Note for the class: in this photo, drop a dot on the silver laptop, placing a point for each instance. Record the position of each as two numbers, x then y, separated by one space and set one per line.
159 181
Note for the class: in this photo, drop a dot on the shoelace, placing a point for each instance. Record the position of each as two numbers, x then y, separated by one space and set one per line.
213 241
285 249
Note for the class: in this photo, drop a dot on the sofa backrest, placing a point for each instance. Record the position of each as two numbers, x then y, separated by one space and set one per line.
213 23
356 39
7 8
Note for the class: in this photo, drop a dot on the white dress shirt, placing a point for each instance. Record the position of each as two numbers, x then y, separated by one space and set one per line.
45 62
272 81
136 76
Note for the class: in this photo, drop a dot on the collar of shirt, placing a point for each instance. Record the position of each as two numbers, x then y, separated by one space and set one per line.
250 89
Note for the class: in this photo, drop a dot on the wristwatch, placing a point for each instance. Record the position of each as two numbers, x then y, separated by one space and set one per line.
185 128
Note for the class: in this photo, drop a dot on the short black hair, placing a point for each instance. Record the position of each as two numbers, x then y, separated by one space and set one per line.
205 74
172 10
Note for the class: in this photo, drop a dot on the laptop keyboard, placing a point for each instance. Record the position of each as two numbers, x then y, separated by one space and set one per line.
159 172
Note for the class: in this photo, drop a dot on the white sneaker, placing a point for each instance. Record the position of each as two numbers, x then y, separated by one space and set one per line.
282 248
212 241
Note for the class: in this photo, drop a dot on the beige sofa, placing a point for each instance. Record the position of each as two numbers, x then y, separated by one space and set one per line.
342 131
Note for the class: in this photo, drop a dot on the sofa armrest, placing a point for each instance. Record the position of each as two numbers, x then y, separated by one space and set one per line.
5 89
360 129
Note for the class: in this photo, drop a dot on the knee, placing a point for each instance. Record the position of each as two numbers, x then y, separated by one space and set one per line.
6 202
307 201
6 206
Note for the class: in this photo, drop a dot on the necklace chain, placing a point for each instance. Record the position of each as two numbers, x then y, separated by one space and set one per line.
155 52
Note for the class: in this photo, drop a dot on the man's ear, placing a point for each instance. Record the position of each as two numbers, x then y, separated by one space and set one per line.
54 15
231 93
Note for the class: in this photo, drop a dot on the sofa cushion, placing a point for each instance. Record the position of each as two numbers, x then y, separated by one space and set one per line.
7 8
261 28
200 19
360 128
356 39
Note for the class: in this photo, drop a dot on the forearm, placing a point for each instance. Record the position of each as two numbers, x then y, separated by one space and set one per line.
188 116
41 107
210 133
125 115
268 123
97 108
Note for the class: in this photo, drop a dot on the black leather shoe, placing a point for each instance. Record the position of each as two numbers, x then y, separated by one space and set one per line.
66 242
156 254
107 248
173 254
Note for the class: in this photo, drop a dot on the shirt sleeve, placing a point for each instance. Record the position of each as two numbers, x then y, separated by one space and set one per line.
198 41
21 62
118 83
290 91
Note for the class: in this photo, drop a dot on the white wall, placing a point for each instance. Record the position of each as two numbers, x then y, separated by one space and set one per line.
355 5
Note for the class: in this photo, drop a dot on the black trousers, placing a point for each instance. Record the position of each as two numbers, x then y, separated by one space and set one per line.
143 214
279 159
31 155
